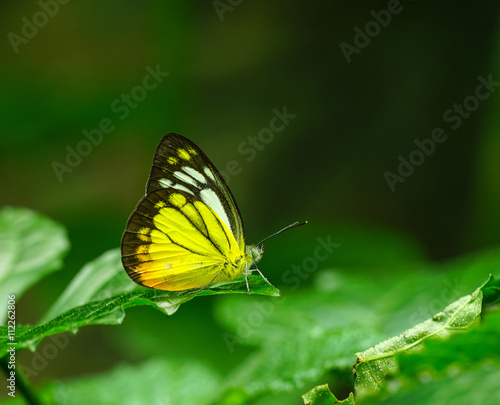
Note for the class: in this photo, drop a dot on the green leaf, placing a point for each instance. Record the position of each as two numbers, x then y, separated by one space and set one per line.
441 372
300 358
491 291
154 382
31 247
301 336
460 353
306 333
321 395
374 364
111 311
235 396
475 386
310 331
99 279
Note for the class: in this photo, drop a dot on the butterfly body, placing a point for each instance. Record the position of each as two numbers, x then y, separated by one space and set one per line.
186 232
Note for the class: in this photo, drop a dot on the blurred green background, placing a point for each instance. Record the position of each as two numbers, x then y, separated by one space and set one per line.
227 72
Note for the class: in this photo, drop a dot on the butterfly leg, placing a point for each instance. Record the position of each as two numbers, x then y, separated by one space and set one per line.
262 275
246 278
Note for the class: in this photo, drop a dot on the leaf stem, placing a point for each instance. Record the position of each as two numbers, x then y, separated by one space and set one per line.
21 382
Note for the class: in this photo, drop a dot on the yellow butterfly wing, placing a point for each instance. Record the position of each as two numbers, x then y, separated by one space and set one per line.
180 164
174 241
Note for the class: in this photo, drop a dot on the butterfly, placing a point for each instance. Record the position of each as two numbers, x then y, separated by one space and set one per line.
187 232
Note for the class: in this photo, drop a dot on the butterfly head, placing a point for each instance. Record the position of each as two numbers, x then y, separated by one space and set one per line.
255 252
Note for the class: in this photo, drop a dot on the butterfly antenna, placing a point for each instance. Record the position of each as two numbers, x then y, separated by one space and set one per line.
294 225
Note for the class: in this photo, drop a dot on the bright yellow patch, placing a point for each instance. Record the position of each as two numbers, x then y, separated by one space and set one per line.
192 151
143 234
142 253
183 154
172 160
177 200
142 249
160 204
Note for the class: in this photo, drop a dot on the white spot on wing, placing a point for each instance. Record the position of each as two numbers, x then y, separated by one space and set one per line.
209 197
209 173
167 183
185 178
195 173
182 188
